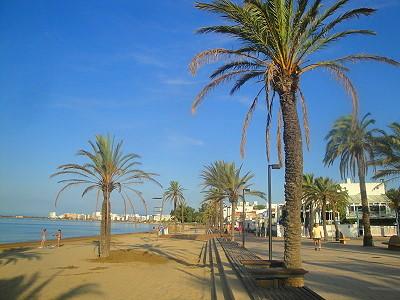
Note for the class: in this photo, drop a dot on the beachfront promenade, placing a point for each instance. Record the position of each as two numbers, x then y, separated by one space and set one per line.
344 271
147 267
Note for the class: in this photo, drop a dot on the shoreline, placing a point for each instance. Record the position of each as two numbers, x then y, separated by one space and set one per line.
69 240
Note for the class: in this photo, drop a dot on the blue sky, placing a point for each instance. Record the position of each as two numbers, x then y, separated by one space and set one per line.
73 69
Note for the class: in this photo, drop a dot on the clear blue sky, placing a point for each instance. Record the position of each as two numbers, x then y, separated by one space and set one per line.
73 69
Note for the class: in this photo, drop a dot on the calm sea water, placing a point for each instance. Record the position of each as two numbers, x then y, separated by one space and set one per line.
23 230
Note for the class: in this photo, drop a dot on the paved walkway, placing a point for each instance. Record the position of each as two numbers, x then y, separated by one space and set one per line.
341 272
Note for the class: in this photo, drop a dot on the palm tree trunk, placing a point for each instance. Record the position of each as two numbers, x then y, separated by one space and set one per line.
397 221
105 225
233 220
221 217
337 233
367 240
182 217
312 220
293 175
324 221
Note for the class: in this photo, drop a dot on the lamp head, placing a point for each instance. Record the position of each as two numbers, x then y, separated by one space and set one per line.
275 166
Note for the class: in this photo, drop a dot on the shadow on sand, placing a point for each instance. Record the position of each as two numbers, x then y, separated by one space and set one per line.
29 288
11 256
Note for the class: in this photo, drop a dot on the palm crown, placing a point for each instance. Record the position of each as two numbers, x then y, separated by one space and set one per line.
278 39
353 142
174 194
107 170
387 154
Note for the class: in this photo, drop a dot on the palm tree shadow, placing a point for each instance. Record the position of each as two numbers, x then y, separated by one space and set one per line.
11 256
20 287
176 258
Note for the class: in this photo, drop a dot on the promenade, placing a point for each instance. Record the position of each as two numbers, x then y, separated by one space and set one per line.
343 272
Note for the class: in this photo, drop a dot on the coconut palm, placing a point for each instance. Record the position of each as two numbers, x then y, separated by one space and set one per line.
226 178
277 43
394 196
352 142
387 154
174 194
107 170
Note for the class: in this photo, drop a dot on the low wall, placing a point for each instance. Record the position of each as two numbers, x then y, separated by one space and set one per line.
350 230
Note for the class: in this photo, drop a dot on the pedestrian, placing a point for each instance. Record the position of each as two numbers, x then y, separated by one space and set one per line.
58 237
317 235
43 236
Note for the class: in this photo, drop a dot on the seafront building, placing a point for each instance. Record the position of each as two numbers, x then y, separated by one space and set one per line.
96 216
378 202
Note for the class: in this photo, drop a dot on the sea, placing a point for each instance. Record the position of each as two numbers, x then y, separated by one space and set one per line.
13 230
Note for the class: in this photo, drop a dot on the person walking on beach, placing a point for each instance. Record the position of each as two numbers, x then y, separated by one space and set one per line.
317 235
43 237
58 237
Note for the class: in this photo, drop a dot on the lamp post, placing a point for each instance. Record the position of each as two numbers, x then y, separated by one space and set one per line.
244 216
162 205
275 167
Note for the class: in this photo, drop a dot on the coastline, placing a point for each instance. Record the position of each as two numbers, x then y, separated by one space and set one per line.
67 241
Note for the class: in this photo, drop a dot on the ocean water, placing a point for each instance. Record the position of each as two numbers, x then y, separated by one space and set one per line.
23 230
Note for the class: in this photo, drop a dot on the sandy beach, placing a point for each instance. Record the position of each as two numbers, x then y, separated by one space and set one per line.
142 266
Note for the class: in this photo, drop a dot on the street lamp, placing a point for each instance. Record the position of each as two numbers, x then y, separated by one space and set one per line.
162 205
275 167
244 215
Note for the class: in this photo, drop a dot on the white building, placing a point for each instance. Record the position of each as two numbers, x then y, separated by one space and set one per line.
52 215
378 202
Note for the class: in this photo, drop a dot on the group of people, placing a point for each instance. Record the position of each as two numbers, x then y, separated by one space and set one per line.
43 235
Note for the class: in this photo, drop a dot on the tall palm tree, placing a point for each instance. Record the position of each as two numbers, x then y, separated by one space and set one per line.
394 196
226 178
352 142
174 194
387 154
107 169
277 41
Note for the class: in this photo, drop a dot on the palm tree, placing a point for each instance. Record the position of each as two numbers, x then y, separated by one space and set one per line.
318 193
210 215
394 196
352 141
174 194
226 178
324 193
308 199
214 198
387 154
277 41
338 202
107 169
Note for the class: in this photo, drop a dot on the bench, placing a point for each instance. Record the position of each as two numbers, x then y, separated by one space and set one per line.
260 279
394 243
262 263
275 276
343 239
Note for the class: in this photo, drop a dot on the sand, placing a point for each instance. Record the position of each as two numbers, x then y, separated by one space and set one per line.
141 266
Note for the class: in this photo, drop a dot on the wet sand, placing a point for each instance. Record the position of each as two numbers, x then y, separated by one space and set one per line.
141 266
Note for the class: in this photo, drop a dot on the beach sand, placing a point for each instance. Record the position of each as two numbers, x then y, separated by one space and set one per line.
141 266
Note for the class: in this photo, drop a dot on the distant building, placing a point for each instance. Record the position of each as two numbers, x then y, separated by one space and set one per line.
52 215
